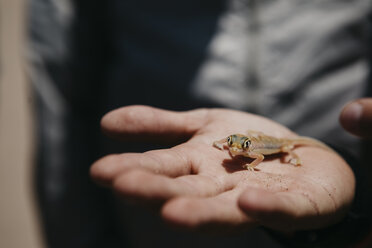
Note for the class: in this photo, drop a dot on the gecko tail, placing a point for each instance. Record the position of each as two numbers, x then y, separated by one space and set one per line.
307 141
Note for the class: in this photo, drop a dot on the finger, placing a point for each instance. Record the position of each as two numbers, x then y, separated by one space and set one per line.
285 211
214 214
171 162
145 186
143 123
356 117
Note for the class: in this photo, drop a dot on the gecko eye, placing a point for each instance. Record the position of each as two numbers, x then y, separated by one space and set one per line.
229 141
246 144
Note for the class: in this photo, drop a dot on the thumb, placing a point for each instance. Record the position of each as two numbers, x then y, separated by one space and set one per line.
144 123
356 117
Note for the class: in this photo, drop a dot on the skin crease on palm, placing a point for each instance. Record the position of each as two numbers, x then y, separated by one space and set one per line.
201 188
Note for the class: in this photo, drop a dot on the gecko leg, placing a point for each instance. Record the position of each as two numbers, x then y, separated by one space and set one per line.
258 157
219 143
295 160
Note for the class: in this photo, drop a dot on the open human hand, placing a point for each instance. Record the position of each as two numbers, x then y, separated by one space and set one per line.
202 188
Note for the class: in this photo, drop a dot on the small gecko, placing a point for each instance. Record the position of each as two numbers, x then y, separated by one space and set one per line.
257 144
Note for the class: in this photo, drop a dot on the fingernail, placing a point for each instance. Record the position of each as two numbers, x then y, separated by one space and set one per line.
351 116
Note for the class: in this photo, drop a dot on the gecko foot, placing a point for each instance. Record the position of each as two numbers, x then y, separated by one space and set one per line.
295 161
250 167
218 145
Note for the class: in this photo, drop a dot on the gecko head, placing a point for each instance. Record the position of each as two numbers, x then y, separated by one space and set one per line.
238 142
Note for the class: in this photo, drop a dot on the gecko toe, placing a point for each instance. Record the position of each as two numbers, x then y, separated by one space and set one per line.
295 161
250 168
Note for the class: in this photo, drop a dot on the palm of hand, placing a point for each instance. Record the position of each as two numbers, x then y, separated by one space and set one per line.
201 187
